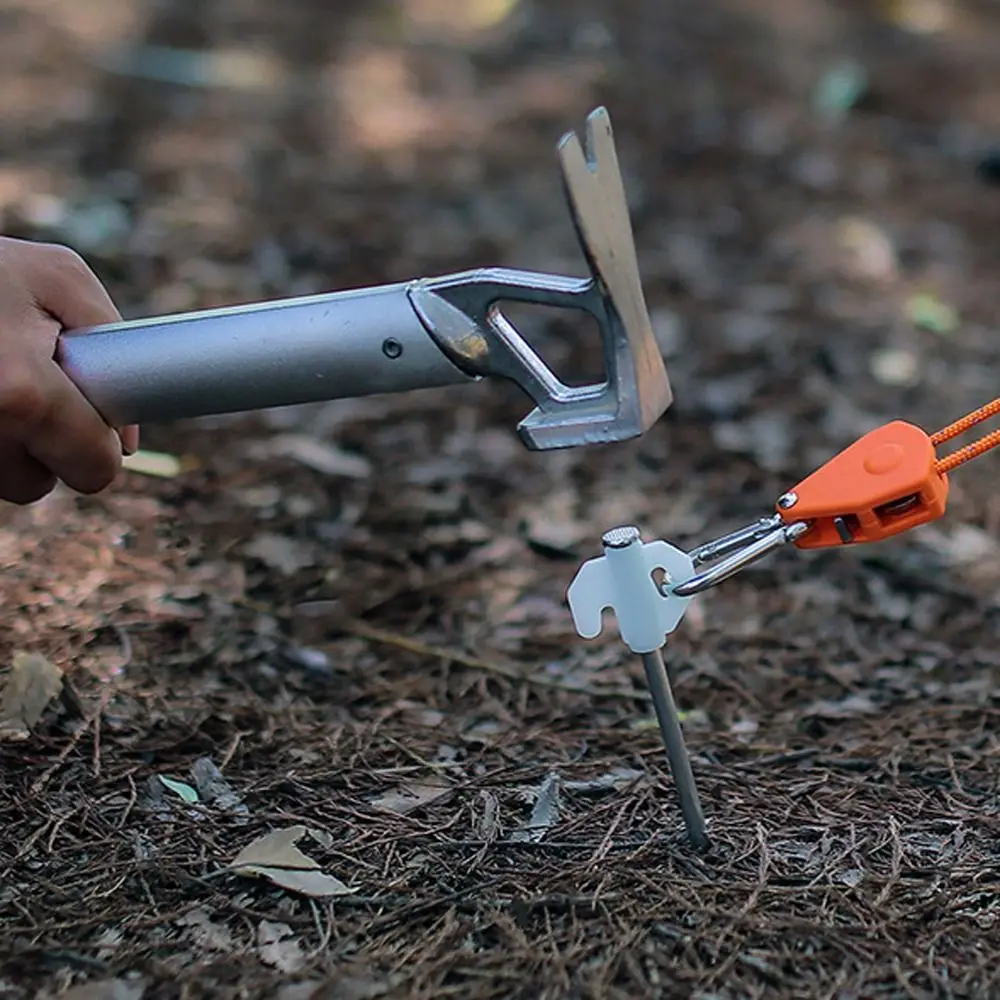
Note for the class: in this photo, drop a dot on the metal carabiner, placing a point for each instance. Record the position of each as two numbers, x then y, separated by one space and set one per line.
737 550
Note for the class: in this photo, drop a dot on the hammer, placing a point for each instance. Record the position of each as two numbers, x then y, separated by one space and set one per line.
424 333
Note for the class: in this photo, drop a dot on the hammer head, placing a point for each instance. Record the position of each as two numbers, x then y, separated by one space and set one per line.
637 377
463 312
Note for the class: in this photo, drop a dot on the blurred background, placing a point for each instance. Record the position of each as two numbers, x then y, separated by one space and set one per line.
810 183
815 189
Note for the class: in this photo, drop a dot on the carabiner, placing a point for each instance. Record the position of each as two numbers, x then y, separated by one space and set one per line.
737 550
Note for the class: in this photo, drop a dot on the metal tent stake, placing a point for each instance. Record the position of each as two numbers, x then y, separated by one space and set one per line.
622 579
677 754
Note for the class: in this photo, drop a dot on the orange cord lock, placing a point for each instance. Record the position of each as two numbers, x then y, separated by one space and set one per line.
885 483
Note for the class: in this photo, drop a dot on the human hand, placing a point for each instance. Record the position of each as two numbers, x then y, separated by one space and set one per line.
48 429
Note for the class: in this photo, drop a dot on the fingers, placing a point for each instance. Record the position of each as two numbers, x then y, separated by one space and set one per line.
130 439
23 480
74 296
53 289
66 288
55 424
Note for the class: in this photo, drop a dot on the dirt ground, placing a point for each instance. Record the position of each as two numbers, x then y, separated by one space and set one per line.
350 618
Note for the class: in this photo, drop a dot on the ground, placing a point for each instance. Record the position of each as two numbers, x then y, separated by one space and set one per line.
374 644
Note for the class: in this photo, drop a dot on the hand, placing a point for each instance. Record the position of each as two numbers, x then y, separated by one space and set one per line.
48 429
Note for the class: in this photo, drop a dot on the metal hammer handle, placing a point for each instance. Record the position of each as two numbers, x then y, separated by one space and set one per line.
299 350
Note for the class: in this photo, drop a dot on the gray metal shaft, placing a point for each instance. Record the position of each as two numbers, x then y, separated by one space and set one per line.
677 755
300 350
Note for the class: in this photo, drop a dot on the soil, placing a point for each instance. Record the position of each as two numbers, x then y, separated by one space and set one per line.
374 645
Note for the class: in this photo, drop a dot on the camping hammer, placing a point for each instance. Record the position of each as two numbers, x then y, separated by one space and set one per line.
417 334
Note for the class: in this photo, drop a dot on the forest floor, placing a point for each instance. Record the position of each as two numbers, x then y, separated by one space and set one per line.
348 620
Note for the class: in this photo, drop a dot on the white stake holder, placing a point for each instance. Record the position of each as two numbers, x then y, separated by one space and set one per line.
622 580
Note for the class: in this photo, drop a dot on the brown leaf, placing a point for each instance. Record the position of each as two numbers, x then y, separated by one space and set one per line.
545 813
277 946
281 553
350 983
408 798
317 455
31 684
277 848
276 858
846 708
208 935
106 989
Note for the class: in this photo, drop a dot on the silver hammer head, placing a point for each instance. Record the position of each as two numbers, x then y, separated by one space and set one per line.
463 312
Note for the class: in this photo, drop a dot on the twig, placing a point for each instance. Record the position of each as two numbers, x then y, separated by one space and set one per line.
365 631
230 751
98 715
427 906
73 741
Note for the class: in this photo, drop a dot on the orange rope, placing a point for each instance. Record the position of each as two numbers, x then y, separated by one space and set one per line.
970 451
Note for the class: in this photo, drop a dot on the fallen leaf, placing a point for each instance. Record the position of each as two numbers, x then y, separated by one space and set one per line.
345 985
645 724
409 798
32 683
275 857
281 553
921 17
871 252
846 708
317 884
320 456
108 941
545 813
488 823
153 463
278 947
186 792
929 313
896 366
299 991
237 69
277 848
850 877
313 661
208 934
617 778
694 718
213 787
107 989
840 88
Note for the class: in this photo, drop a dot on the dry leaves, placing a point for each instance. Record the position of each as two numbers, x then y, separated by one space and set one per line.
281 553
31 684
408 798
317 455
349 983
278 947
275 857
209 935
153 463
545 813
611 781
107 989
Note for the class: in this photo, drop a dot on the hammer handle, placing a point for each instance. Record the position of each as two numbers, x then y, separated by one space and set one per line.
299 350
